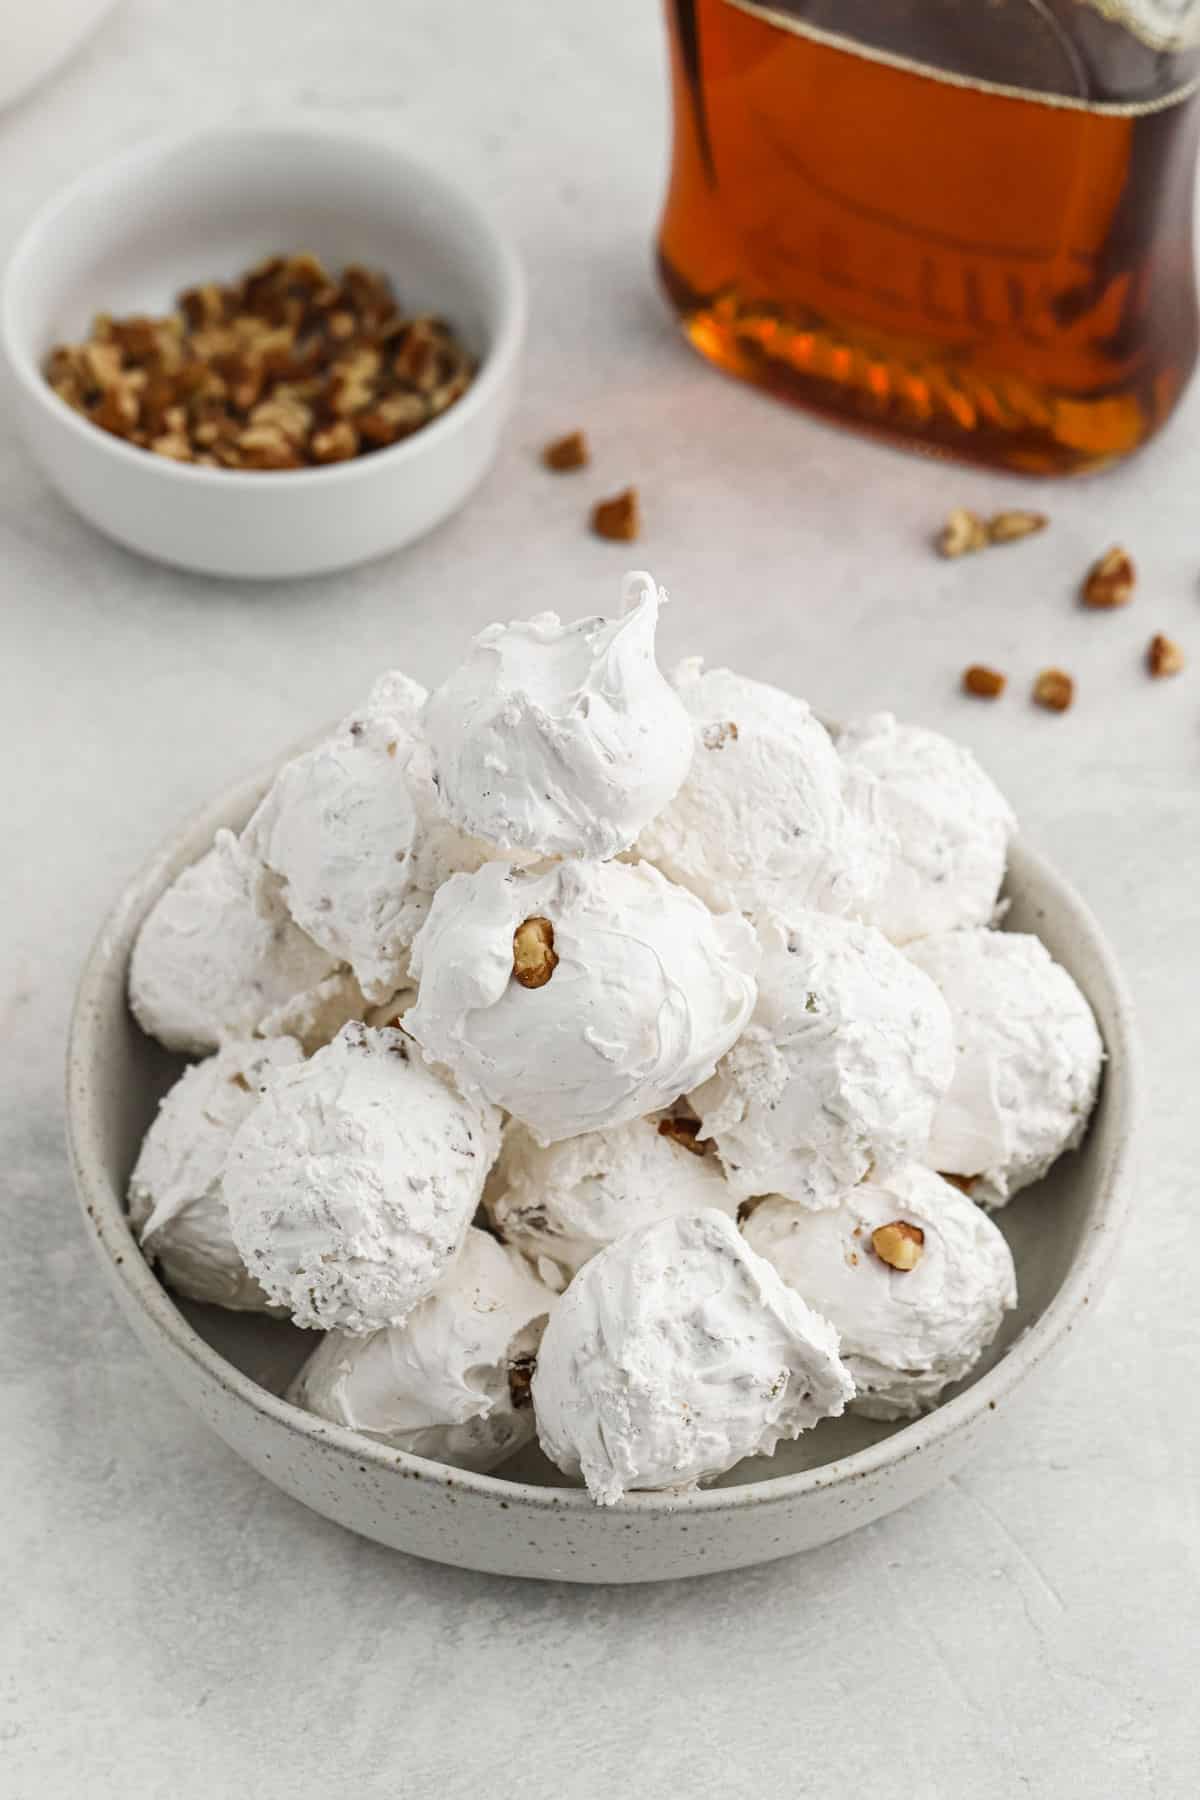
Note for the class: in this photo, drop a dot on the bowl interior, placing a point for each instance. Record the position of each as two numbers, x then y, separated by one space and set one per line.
178 212
1046 1226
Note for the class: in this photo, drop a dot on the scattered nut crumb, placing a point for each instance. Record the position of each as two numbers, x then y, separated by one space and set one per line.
1009 527
1110 580
239 1081
964 1183
619 518
570 452
986 684
685 1133
1054 689
900 1245
1164 656
716 736
534 956
963 532
284 368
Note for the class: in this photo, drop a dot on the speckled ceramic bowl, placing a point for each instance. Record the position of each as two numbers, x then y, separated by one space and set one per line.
232 1368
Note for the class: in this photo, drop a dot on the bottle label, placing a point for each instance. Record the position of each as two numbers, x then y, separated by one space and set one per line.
1162 24
1122 56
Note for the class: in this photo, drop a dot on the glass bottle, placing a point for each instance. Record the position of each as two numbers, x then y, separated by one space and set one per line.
966 224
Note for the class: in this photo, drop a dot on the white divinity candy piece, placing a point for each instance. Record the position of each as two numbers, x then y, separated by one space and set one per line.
560 739
675 1353
316 1016
761 822
943 827
352 1182
218 954
353 831
628 991
561 1203
452 1382
176 1201
905 1332
1029 1060
841 1068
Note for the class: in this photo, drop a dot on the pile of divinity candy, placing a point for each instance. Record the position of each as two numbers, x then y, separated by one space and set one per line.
610 1057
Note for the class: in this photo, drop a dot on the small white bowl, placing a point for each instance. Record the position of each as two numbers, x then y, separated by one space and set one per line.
232 1368
128 236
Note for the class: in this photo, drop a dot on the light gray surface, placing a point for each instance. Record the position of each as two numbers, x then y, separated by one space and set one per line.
172 1625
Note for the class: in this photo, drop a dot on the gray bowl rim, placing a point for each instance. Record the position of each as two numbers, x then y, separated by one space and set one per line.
104 1209
494 365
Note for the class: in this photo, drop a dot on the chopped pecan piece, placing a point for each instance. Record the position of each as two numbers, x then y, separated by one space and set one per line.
570 452
1010 527
520 1381
618 518
1164 656
336 443
962 533
283 368
964 1183
534 955
718 734
984 683
202 306
1054 689
685 1133
266 447
1110 581
900 1245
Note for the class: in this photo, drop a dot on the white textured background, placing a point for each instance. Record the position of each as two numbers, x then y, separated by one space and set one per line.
171 1625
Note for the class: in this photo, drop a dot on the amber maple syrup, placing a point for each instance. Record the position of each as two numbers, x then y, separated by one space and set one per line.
964 241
